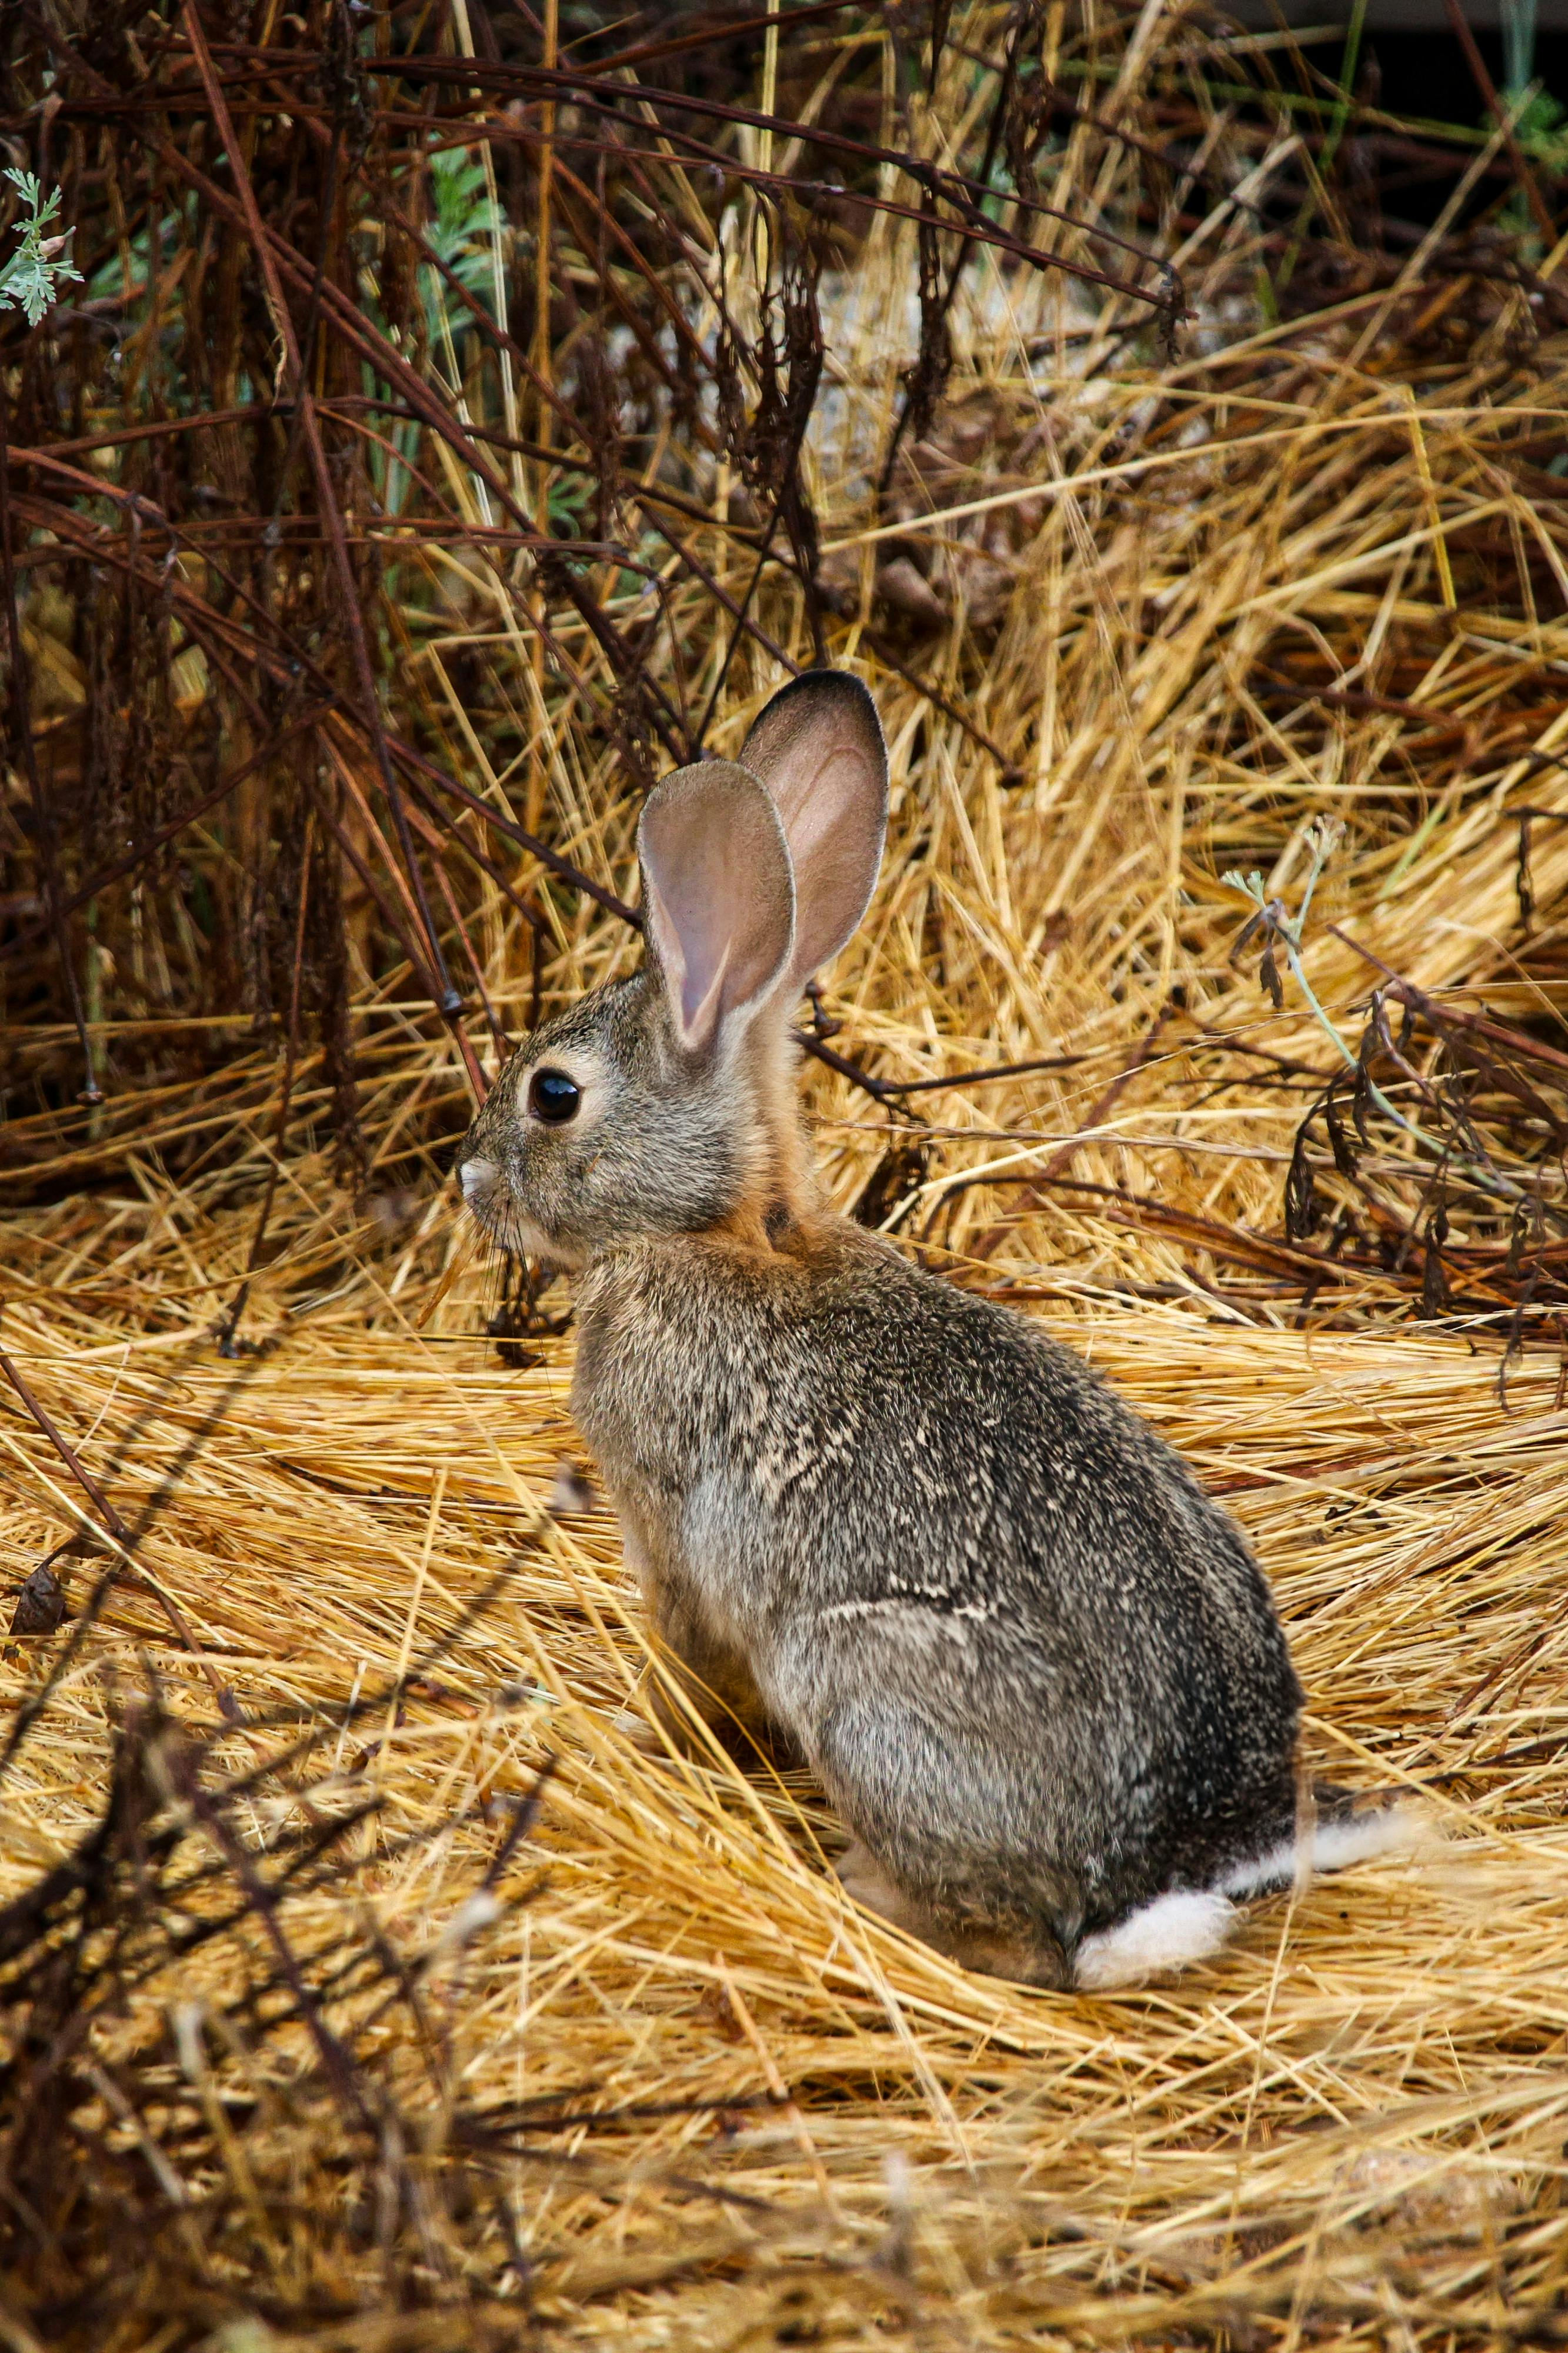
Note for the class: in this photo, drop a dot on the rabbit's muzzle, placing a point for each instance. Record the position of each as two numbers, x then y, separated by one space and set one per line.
477 1178
492 1205
486 1193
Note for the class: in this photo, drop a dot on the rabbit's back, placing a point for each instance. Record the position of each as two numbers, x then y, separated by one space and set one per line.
930 1528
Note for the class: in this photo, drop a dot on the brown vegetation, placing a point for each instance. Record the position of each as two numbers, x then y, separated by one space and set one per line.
464 414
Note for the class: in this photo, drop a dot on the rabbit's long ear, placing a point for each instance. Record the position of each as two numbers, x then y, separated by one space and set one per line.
818 748
718 897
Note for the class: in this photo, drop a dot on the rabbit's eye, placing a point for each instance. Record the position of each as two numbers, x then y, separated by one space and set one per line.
553 1097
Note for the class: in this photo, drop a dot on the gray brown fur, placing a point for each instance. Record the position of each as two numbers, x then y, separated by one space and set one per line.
876 1518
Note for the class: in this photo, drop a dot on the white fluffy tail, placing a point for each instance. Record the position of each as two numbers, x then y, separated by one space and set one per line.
1334 1843
1190 1923
1187 1924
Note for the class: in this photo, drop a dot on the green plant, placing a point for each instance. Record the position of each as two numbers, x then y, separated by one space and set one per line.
465 219
1322 838
40 266
1541 131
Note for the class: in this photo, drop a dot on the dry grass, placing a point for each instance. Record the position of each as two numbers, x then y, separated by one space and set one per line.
1198 606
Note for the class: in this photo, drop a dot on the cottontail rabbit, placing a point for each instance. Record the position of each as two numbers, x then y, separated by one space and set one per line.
883 1520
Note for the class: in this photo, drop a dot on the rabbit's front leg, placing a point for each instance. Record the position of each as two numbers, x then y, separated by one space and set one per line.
695 1672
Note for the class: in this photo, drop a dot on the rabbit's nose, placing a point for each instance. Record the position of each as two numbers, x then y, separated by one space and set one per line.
476 1177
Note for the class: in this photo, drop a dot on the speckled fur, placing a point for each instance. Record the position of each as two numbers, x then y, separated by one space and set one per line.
1035 1666
892 1525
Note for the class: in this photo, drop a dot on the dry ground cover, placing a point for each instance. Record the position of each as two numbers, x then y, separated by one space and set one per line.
365 1985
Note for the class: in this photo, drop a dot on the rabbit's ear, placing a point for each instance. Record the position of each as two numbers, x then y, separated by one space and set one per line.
818 748
718 897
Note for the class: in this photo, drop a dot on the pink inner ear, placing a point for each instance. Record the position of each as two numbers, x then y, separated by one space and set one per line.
818 748
719 897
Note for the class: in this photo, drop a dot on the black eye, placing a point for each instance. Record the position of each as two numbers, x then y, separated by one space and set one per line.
553 1097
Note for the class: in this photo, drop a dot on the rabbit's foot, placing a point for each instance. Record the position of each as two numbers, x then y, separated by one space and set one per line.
1028 1956
666 1726
643 1736
658 1723
656 1727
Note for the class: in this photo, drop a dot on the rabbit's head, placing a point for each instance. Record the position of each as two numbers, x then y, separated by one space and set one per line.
665 1103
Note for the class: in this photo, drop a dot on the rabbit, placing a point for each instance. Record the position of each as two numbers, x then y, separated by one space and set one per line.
879 1522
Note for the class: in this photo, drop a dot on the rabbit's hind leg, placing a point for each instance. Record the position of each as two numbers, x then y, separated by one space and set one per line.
1028 1956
